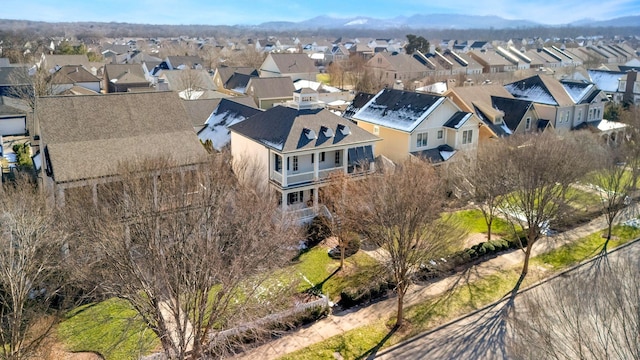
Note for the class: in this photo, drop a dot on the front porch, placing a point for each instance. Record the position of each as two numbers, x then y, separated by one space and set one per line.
302 205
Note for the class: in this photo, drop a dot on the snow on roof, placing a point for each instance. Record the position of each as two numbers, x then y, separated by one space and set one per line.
534 93
272 144
605 80
437 88
577 90
226 114
315 85
396 109
605 125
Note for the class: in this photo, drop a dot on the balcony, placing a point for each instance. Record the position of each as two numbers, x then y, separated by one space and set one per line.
299 178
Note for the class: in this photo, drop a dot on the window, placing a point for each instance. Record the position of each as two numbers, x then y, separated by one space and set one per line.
295 163
527 124
278 162
579 115
312 158
322 156
467 136
440 134
422 140
294 197
338 157
376 130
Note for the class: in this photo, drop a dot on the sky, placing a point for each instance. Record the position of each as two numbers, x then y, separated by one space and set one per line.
243 12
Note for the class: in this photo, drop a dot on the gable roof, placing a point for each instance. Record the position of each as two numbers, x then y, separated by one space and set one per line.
606 80
14 75
8 106
61 60
72 74
286 129
397 109
180 79
225 114
125 73
541 89
458 119
580 91
294 63
272 87
513 109
88 136
188 61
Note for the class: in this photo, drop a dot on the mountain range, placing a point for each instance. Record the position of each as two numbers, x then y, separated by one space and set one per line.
434 21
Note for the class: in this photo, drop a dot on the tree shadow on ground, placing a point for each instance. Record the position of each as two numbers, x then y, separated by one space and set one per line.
371 353
317 288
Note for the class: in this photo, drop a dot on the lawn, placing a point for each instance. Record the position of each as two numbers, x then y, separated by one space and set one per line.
474 222
463 299
318 270
324 78
110 328
581 199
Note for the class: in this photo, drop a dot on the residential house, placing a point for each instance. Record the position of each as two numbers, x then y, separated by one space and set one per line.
629 86
233 80
565 104
326 94
190 84
295 151
520 116
84 139
295 66
15 80
124 78
182 62
13 117
269 91
609 82
492 62
392 67
479 101
52 62
69 76
416 124
227 112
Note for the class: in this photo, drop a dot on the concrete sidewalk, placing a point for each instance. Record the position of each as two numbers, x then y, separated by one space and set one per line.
344 321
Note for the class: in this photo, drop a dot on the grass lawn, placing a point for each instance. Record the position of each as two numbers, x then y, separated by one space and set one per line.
318 269
474 222
571 254
465 298
110 328
324 78
583 199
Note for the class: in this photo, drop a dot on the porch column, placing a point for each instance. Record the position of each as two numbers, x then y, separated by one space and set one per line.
316 166
283 197
345 159
316 195
285 164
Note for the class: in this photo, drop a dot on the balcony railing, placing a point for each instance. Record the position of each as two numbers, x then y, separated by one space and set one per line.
305 177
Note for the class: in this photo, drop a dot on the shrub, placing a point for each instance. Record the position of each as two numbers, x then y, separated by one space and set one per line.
318 230
353 245
352 296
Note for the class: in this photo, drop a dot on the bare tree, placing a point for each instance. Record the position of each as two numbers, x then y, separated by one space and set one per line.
582 315
614 186
30 269
484 179
399 211
539 169
29 87
192 250
631 117
336 199
189 83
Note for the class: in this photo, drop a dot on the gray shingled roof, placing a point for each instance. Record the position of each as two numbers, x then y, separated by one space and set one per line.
285 129
294 63
125 73
72 74
273 87
89 136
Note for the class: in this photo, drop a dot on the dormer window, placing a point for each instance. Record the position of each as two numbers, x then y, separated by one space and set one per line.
344 129
310 134
327 132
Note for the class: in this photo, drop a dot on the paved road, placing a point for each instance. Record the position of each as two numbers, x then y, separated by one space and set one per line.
483 334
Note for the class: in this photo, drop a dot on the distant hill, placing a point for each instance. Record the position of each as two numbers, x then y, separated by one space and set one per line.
420 21
617 22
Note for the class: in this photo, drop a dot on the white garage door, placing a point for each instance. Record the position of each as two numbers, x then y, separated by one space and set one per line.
13 126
